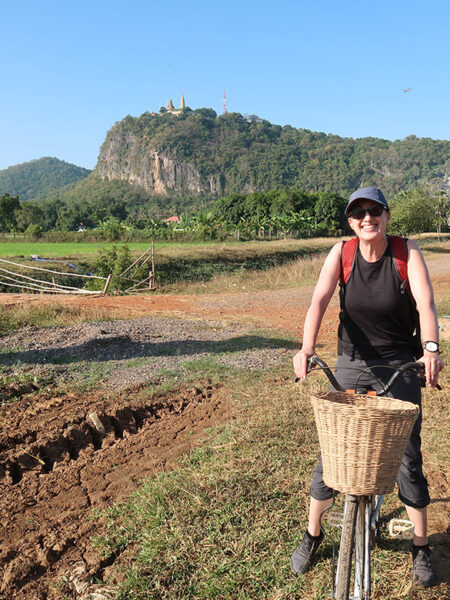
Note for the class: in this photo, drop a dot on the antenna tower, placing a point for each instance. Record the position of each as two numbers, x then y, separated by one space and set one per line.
225 108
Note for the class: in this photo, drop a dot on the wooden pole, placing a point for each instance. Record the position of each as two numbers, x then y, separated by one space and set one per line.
108 281
153 261
51 271
138 283
33 280
136 261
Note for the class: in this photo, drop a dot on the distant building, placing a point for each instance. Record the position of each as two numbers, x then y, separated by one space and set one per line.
170 108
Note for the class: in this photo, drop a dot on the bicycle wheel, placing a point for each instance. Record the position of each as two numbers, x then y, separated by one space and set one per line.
344 568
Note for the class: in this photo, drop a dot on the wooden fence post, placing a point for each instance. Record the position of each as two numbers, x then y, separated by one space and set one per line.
108 281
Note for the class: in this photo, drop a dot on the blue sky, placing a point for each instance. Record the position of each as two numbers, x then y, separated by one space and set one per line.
72 69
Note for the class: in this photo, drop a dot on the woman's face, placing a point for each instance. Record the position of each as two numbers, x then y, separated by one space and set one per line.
368 227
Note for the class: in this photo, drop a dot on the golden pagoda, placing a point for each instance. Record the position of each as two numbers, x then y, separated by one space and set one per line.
170 108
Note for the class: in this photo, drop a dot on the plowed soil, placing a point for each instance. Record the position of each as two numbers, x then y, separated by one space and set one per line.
64 454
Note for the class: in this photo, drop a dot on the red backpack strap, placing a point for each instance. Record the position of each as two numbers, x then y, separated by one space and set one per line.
400 254
348 254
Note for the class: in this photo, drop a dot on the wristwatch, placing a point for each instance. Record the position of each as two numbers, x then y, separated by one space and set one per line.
431 346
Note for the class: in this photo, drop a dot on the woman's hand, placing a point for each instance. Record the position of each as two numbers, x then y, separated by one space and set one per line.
300 362
433 365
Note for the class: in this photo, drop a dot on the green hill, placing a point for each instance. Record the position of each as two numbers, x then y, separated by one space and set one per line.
39 177
202 154
163 164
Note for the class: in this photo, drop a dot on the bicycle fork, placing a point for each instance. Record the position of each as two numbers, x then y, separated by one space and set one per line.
362 551
361 545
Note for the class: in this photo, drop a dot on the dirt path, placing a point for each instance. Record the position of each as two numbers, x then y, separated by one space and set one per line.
57 462
284 308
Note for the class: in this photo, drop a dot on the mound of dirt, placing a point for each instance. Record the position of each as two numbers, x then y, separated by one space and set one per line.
62 456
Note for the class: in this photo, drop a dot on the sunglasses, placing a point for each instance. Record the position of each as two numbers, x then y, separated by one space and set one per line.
376 210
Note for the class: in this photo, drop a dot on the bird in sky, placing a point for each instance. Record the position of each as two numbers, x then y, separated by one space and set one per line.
407 90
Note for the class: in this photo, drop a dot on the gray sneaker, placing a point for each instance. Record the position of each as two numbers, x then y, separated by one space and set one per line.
303 555
421 572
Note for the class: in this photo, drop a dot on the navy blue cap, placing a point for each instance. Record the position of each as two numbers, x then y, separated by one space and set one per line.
367 193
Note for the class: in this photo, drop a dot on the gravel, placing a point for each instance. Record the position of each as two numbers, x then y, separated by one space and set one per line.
118 354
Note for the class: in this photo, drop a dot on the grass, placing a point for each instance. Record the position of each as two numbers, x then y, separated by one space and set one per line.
443 305
189 263
428 242
15 316
72 249
90 375
217 267
223 524
300 271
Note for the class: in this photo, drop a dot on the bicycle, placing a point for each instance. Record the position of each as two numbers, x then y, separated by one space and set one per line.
361 512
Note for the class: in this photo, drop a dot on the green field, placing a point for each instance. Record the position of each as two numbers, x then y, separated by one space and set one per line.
70 249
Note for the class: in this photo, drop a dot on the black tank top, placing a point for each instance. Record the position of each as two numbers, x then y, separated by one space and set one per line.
377 319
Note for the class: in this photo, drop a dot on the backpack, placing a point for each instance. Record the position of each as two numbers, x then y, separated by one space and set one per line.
400 255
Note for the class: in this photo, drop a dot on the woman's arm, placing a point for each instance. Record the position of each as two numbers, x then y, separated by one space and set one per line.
422 291
326 284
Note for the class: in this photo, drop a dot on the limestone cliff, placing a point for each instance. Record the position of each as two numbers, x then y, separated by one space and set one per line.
124 156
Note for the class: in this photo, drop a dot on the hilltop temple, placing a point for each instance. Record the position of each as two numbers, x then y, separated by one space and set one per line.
170 108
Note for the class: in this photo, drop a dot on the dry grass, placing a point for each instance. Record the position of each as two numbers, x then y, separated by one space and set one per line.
299 272
244 250
16 316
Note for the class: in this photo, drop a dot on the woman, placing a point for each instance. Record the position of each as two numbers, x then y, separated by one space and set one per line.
377 323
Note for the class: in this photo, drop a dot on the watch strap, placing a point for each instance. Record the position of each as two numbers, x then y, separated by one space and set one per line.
434 346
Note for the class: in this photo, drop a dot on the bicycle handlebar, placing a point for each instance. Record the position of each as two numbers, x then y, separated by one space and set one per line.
315 360
410 366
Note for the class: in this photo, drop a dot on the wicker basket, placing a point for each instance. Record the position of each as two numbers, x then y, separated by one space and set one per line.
362 439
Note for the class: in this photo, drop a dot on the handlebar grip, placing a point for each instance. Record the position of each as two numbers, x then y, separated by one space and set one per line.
312 360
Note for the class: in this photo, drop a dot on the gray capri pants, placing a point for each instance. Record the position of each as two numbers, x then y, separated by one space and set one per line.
412 485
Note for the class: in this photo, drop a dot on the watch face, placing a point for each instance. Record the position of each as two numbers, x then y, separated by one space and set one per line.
431 347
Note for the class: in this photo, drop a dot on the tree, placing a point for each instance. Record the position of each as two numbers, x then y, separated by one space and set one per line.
206 225
412 211
112 228
291 200
28 214
442 209
8 207
34 231
230 208
329 213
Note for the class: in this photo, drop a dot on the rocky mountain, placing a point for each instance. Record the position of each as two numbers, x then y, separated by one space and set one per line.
200 154
39 177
